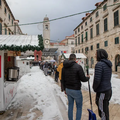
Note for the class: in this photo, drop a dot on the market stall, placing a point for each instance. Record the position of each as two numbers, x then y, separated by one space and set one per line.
79 58
12 46
23 64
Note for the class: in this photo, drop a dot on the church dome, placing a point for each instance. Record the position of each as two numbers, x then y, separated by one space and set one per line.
46 19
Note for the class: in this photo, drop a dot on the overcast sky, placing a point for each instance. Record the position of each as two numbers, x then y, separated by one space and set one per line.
30 11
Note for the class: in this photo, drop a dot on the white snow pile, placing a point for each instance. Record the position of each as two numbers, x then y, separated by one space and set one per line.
115 86
41 89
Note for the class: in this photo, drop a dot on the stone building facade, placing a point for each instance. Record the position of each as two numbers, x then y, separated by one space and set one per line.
8 24
100 29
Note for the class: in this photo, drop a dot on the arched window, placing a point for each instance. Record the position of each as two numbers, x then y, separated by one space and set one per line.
46 27
0 28
117 62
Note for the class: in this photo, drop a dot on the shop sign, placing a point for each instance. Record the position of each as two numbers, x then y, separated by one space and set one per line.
14 53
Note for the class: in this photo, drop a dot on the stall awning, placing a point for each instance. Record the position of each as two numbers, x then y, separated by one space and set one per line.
49 51
78 55
15 42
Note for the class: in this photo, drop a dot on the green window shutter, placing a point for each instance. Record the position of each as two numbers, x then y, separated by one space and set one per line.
116 18
117 40
104 7
97 29
82 50
82 38
98 46
76 42
91 47
0 28
86 36
12 22
91 19
91 33
97 14
106 43
105 24
5 31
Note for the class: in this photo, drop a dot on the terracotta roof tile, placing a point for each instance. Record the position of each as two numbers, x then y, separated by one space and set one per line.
70 36
97 4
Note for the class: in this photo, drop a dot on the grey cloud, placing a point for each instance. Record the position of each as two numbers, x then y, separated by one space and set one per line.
29 11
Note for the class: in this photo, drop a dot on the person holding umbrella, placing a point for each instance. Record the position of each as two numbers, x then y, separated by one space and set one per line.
102 83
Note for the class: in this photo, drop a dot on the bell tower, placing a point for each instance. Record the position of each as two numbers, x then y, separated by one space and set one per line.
46 32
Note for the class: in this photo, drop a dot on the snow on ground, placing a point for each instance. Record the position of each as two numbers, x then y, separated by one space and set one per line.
115 86
40 87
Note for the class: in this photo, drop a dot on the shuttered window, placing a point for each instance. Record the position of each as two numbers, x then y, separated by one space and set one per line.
0 2
97 14
104 7
98 46
86 36
0 28
91 33
106 43
86 49
105 24
82 50
91 19
117 40
9 17
5 10
116 18
97 29
82 38
91 47
78 40
5 31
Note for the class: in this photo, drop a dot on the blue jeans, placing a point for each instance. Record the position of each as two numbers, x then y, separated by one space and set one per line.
77 96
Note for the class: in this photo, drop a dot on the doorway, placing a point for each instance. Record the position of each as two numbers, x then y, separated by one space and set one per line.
117 62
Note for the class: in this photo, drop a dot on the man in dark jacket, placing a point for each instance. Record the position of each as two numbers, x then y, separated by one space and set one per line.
102 83
46 68
72 75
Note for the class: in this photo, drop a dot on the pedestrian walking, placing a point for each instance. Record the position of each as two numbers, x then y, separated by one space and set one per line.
72 75
56 72
102 83
59 69
45 68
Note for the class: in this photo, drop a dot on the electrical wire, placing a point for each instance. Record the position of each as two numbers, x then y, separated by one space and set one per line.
64 16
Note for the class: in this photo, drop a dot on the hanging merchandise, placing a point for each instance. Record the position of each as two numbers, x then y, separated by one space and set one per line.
9 59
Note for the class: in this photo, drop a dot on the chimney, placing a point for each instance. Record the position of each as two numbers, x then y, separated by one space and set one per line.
15 26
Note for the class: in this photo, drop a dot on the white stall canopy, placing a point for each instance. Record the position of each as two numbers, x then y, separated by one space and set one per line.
18 40
78 55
